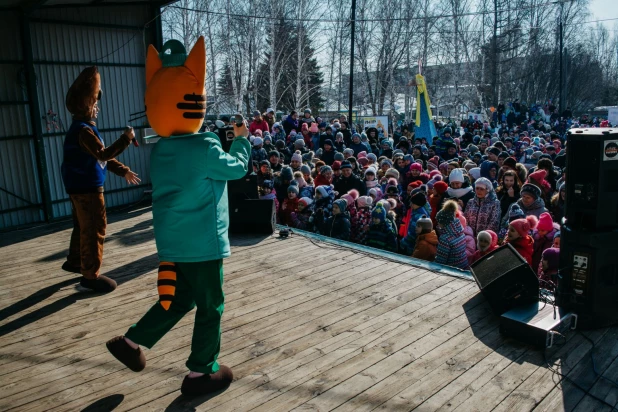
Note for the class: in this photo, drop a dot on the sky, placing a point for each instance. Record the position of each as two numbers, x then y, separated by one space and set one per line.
604 9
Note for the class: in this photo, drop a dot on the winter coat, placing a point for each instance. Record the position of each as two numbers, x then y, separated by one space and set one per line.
360 222
300 220
408 243
442 144
357 147
506 201
261 125
470 242
381 236
479 254
452 246
345 184
322 210
288 207
535 209
541 243
525 247
290 124
435 202
483 214
426 246
258 154
337 226
328 157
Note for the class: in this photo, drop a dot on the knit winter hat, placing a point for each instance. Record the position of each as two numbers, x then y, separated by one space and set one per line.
538 175
297 157
257 141
546 223
305 169
258 133
524 226
305 201
299 143
483 235
268 184
336 165
441 187
483 181
531 189
364 201
392 173
371 171
346 165
475 172
339 157
515 212
425 223
313 128
304 127
386 161
510 162
456 176
419 199
443 167
416 184
342 204
372 157
286 173
493 150
392 203
435 173
293 189
379 212
432 164
552 256
447 214
392 190
322 190
416 166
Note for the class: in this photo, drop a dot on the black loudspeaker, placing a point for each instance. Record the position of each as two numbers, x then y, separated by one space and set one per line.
591 184
244 188
588 282
252 216
506 279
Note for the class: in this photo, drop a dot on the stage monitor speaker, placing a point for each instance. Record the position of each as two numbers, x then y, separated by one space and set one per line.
588 281
591 184
506 279
252 216
242 189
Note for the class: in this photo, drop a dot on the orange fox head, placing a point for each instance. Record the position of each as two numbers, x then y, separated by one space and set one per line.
175 94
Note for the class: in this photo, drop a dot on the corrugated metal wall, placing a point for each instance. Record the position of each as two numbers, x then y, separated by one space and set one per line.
19 187
65 41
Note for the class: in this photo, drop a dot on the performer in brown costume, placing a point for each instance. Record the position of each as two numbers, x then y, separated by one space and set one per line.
86 161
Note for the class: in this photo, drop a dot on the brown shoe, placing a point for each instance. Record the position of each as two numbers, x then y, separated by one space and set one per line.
207 383
133 359
101 284
69 268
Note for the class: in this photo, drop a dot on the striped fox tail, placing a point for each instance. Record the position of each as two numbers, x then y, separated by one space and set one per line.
166 283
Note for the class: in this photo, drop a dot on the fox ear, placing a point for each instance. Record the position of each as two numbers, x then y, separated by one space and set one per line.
196 61
153 63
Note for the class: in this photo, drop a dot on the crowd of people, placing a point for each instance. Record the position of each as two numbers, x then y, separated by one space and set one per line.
479 184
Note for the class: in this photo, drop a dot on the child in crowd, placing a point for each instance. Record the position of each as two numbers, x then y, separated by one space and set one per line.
300 218
350 199
486 242
266 192
519 236
426 240
556 243
550 265
338 225
370 178
362 219
468 235
543 236
323 208
290 205
380 234
451 243
418 202
436 198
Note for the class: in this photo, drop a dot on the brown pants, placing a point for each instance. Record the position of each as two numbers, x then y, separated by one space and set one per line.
89 224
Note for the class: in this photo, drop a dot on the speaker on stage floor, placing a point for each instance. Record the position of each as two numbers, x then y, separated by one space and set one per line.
252 216
588 282
505 279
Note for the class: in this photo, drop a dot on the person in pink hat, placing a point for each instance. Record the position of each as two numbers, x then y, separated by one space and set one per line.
543 236
519 236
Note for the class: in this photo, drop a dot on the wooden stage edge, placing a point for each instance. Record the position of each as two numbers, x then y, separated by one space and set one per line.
308 325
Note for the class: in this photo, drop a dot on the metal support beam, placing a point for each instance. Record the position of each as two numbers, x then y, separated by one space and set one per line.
35 116
352 30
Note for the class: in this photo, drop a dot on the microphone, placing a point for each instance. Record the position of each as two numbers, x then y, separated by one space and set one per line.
129 129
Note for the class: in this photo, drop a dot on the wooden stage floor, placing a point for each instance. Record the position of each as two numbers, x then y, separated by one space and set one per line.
307 326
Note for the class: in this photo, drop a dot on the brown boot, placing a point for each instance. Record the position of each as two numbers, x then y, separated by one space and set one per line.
207 383
69 268
101 284
133 359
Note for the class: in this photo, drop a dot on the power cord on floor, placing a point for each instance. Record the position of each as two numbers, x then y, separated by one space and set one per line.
577 385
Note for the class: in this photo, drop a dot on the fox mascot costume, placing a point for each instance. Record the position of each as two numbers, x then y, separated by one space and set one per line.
189 171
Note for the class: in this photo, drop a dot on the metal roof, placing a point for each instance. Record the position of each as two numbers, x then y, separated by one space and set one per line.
50 3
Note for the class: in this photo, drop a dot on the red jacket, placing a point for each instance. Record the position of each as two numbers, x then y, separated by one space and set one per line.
525 247
263 126
321 181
